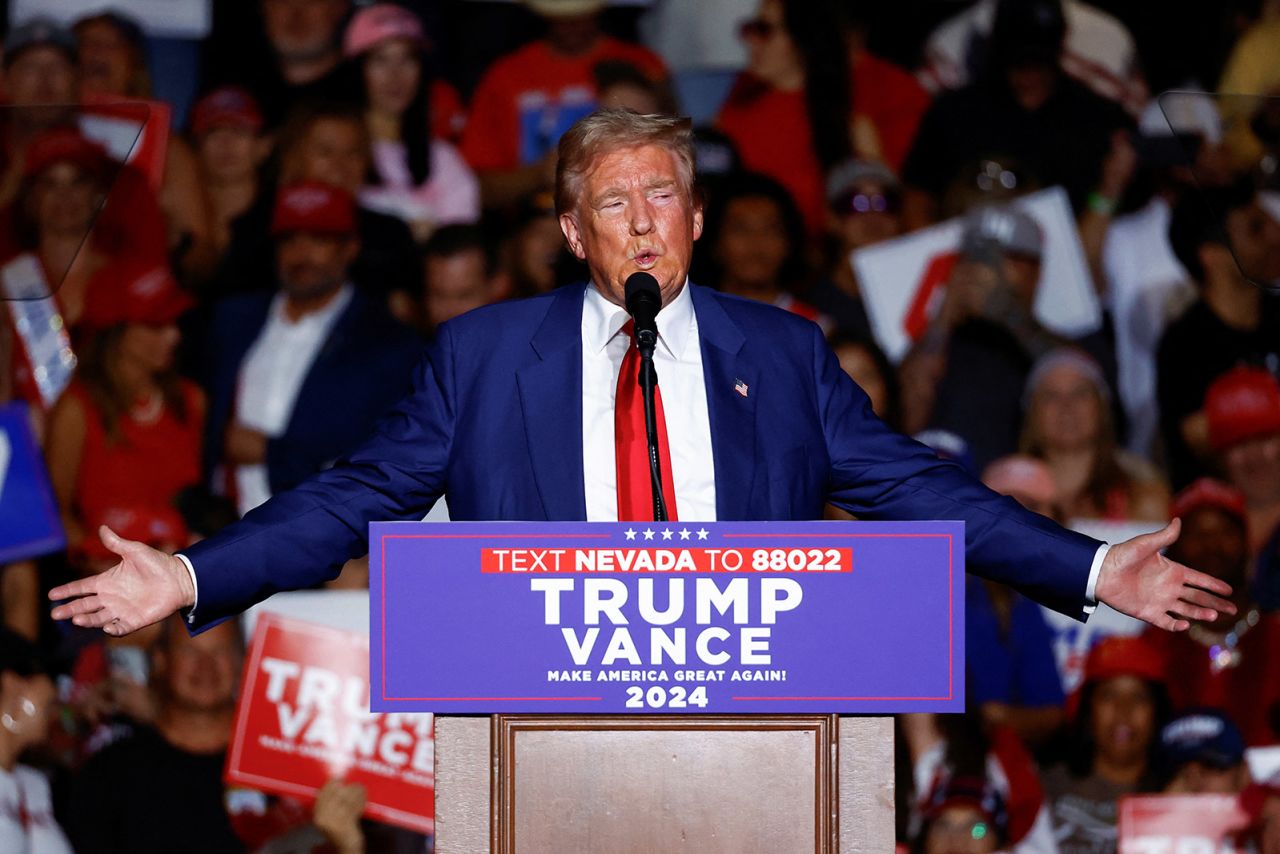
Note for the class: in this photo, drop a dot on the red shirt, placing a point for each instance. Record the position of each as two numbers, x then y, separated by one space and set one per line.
532 96
147 465
771 128
1248 693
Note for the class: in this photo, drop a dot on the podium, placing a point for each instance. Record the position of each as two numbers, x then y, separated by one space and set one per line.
762 662
548 784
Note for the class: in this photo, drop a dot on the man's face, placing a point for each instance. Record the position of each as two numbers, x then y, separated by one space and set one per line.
635 214
42 75
455 285
63 200
1253 467
1198 778
312 265
106 58
333 151
752 243
302 30
868 214
230 155
200 673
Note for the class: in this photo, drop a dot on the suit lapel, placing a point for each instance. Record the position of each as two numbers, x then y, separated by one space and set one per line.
729 371
551 402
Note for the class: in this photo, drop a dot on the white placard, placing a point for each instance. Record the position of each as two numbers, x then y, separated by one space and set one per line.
889 273
182 19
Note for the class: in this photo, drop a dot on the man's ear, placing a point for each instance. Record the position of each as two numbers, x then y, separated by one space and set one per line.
569 225
697 222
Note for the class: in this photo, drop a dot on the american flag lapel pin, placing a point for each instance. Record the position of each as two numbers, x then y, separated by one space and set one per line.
740 387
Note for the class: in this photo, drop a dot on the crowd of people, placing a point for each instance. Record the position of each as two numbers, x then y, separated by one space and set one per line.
210 298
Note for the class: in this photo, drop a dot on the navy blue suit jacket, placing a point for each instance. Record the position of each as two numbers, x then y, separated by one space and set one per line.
357 374
494 419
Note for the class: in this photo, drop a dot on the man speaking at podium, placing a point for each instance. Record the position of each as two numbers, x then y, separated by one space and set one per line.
530 410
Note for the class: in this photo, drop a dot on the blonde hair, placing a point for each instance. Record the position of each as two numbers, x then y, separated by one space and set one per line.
606 130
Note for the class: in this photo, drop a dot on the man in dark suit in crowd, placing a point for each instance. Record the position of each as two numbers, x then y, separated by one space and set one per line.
514 414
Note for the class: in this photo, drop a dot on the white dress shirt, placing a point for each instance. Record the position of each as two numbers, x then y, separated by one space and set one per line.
678 362
271 377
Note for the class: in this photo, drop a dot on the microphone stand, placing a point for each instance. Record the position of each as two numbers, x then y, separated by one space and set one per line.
645 342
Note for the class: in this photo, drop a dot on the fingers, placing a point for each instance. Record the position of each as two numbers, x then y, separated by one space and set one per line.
77 607
75 589
1201 599
1163 538
116 543
1208 582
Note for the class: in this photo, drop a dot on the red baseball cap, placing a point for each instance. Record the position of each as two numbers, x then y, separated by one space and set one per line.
375 24
1207 492
64 145
134 293
155 525
1243 403
228 106
315 207
1124 656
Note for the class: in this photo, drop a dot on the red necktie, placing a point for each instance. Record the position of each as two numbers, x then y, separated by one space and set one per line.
635 495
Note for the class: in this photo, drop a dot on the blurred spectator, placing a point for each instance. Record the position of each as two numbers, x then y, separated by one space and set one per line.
863 206
127 432
303 61
113 66
754 242
1202 753
460 273
1018 106
27 707
1145 285
528 98
423 181
533 245
329 144
64 182
226 128
867 365
1232 663
1242 410
297 378
161 789
1119 710
963 815
1224 238
945 748
811 98
967 372
1098 51
623 86
1013 679
1068 424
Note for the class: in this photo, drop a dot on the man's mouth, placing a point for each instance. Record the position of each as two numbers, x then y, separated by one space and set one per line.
645 259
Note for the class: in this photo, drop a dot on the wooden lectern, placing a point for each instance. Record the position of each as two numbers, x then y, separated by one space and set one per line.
782 784
531 642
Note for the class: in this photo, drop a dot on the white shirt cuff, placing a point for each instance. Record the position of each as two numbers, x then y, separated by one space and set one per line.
1090 590
195 599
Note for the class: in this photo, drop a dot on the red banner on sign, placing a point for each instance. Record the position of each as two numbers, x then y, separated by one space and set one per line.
1174 824
303 720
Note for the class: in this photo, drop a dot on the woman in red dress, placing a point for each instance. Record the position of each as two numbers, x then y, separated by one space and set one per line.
126 433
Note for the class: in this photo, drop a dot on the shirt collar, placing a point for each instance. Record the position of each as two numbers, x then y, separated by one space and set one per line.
602 320
316 318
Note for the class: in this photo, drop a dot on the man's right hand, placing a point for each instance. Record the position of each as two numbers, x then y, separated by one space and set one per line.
145 587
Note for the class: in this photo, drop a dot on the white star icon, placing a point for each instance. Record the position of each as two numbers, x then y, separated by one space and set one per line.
684 533
631 533
702 533
648 534
666 535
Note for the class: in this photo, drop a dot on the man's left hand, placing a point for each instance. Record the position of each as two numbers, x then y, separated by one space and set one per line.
1136 579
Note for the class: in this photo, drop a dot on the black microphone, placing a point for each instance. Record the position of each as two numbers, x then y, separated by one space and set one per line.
644 301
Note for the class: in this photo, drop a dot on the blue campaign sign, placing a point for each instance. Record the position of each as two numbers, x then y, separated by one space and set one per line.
29 520
608 618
